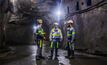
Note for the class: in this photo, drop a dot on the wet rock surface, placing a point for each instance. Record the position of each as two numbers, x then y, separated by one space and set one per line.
26 55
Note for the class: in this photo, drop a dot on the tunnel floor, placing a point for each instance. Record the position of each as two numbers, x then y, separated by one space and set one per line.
25 55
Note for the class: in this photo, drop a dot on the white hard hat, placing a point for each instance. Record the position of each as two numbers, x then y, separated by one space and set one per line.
56 24
70 21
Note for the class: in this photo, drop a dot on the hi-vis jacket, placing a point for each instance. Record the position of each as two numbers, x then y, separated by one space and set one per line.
40 33
55 34
70 34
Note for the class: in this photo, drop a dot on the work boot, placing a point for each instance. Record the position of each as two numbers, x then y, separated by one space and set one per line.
68 53
71 57
41 57
37 58
50 58
72 53
66 56
56 58
56 52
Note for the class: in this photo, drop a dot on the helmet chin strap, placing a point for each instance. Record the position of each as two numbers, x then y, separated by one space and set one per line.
40 26
56 26
69 25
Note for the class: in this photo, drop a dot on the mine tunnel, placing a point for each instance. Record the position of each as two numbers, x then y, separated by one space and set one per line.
18 23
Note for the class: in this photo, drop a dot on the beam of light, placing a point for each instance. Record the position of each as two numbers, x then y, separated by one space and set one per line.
58 13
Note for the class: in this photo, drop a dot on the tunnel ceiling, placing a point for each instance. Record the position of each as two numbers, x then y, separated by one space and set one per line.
46 7
25 9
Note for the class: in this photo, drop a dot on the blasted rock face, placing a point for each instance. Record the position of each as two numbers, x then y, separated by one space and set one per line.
20 23
23 10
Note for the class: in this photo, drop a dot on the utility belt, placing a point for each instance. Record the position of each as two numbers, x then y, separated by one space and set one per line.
69 39
39 37
55 39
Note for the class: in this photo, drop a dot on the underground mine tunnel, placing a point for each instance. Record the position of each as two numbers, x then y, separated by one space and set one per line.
19 22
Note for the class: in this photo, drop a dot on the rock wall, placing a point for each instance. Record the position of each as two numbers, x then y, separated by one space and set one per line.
19 34
90 26
17 22
95 28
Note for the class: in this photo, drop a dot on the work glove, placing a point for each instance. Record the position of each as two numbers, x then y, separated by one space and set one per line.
60 39
65 47
50 39
71 42
60 44
44 38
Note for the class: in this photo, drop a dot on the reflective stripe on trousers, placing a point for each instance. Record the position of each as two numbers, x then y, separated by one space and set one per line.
54 44
39 49
40 43
70 45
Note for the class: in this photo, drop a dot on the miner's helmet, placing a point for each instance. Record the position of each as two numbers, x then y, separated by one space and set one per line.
56 24
39 21
70 22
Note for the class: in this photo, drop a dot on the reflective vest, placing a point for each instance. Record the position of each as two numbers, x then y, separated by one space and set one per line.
40 33
70 33
56 34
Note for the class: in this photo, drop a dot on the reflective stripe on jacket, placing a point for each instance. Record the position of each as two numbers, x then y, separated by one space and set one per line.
39 33
71 34
55 34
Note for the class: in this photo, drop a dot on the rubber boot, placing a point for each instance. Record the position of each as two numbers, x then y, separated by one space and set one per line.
56 54
50 57
40 54
68 53
72 54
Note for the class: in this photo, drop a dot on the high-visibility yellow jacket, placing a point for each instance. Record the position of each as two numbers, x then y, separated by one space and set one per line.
55 34
71 34
40 33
